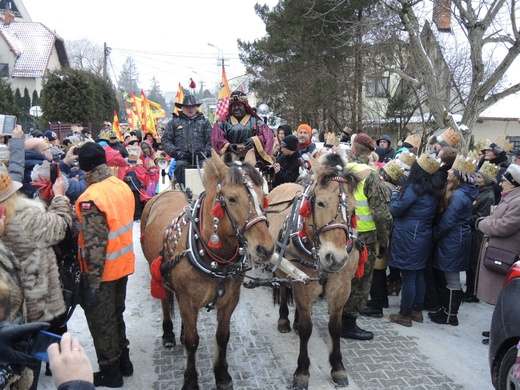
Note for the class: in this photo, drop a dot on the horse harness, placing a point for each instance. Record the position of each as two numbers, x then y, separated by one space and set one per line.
198 251
294 228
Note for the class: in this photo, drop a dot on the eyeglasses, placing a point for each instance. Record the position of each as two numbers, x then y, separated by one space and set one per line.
107 125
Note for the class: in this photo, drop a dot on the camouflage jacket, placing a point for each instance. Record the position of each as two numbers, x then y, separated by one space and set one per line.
379 203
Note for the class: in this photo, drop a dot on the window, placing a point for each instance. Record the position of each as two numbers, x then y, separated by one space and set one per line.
376 86
4 71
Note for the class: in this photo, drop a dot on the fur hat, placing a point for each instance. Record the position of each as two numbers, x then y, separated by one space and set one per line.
290 142
7 186
497 149
365 140
512 175
305 127
91 155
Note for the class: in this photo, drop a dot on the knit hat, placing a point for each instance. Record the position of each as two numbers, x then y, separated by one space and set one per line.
465 177
7 186
290 142
512 175
365 140
91 155
305 127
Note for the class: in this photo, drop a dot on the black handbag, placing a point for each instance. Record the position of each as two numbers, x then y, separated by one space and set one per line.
499 260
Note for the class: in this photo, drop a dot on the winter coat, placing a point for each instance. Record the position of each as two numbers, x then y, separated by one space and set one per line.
188 138
453 232
412 231
503 229
481 208
12 304
75 189
289 169
30 235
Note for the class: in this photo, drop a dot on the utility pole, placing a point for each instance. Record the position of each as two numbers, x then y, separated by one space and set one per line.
106 53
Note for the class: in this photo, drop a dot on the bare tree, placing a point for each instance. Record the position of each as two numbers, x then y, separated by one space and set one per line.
85 55
490 31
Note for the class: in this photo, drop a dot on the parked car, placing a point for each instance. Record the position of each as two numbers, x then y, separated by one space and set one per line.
505 332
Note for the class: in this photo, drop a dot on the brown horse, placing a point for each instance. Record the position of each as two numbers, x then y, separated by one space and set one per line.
323 245
206 251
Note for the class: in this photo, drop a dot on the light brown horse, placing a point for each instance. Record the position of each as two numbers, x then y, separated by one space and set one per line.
323 245
206 251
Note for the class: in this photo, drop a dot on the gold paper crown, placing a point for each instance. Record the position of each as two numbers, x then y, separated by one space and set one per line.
451 137
473 154
502 142
482 144
331 140
466 165
489 170
413 140
428 163
407 158
107 134
394 170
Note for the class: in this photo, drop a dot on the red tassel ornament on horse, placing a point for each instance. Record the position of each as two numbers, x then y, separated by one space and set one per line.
266 203
363 258
305 209
218 211
156 287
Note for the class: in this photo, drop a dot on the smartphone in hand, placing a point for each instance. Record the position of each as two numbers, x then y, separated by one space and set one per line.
54 169
39 342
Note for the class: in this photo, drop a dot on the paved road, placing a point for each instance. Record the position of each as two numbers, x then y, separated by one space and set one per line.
425 356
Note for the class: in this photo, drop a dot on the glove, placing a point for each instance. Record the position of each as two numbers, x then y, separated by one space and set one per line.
90 296
249 143
382 251
13 339
233 148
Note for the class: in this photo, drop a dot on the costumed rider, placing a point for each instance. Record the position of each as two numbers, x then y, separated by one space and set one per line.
241 129
187 137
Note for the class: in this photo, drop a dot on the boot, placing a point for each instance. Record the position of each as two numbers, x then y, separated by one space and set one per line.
125 365
417 316
350 330
372 311
108 376
401 319
449 315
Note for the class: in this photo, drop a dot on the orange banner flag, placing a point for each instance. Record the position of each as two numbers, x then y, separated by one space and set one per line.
179 97
116 127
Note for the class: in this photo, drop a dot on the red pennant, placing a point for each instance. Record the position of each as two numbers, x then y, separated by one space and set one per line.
363 258
218 211
305 210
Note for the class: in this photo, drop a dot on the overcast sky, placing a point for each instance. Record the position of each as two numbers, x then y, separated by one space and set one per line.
167 39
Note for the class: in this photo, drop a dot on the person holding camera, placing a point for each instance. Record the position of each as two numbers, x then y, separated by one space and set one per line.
187 137
242 129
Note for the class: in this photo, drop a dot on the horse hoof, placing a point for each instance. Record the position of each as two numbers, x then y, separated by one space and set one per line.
169 342
340 378
300 382
284 326
225 386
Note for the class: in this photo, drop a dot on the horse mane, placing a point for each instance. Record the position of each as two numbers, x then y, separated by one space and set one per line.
235 174
335 171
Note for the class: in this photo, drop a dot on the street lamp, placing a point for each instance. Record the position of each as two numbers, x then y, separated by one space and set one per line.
220 58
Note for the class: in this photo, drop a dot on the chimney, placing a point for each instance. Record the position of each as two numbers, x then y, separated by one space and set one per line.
442 15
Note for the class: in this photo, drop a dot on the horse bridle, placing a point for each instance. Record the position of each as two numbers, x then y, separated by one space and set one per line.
342 209
253 202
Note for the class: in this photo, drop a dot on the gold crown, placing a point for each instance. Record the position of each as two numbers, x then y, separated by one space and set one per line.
413 140
451 137
502 142
331 140
394 170
473 154
428 163
107 134
407 158
466 165
489 170
482 144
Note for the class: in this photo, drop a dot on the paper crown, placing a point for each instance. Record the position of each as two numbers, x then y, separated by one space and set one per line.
489 170
331 140
450 137
407 159
429 164
413 140
107 134
393 170
464 164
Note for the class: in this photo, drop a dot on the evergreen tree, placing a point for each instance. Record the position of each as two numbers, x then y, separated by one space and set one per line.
35 99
